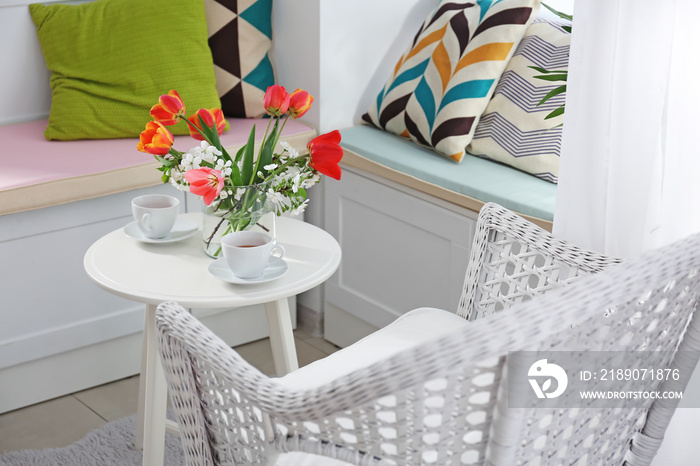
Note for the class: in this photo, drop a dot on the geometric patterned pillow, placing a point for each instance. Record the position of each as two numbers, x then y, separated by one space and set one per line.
240 37
443 82
512 129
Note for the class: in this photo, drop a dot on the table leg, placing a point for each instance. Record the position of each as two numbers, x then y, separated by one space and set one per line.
153 396
279 322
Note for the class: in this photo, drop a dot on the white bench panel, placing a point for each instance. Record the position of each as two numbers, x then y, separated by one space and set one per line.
423 249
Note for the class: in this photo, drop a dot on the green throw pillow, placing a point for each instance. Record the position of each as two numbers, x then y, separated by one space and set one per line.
111 60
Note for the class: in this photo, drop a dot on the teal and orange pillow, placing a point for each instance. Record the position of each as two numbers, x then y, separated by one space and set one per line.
442 84
110 60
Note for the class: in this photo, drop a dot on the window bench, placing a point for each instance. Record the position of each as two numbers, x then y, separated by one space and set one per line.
61 333
405 218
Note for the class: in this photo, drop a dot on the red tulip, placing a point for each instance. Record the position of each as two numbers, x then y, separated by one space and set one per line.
212 117
205 182
169 110
155 139
276 100
299 103
325 154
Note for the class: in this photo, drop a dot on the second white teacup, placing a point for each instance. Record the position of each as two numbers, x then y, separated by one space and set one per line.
247 253
155 214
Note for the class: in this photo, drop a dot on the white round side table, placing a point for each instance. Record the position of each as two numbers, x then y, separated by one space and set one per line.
152 273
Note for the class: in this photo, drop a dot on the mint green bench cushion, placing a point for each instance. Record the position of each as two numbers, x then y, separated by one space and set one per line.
481 179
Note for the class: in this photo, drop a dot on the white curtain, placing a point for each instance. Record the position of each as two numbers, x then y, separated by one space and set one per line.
630 165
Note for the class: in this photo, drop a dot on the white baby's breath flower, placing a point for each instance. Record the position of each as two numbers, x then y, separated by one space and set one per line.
279 201
290 150
309 182
271 166
296 182
299 209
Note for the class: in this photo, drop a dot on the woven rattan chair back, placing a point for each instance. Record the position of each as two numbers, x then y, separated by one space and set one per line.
513 260
426 405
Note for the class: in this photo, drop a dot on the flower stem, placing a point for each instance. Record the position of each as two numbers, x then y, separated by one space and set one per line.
192 125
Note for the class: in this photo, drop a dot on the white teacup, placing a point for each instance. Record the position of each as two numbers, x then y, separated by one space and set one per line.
155 214
247 253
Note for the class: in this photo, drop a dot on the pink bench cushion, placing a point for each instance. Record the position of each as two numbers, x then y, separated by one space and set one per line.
37 173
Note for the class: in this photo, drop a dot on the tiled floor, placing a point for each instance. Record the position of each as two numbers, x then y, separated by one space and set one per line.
62 421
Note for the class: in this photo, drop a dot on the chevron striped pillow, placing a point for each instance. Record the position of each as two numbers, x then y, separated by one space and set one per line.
443 83
512 129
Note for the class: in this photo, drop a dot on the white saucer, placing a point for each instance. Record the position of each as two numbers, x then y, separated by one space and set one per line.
219 269
183 228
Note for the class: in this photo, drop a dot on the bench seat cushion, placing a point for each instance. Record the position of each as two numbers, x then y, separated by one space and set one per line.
36 173
469 184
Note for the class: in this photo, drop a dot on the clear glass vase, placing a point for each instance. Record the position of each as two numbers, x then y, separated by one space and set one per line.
247 209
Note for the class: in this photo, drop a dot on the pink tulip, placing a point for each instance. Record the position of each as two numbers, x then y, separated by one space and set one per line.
205 182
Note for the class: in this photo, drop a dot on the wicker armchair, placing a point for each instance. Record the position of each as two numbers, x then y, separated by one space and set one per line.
513 260
435 393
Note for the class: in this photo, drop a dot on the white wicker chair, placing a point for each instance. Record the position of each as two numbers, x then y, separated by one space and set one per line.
513 260
442 400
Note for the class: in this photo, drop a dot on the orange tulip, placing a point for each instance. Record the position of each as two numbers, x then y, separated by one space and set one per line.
299 103
169 110
205 182
155 139
212 117
325 152
276 100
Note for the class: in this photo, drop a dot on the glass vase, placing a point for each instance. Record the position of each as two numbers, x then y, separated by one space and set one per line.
247 209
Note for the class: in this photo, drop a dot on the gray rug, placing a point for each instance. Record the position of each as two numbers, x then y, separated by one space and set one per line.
110 445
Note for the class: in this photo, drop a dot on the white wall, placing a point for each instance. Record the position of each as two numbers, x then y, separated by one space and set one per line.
24 95
361 42
342 52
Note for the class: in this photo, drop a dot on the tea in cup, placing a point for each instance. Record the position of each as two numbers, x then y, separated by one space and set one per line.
248 253
155 214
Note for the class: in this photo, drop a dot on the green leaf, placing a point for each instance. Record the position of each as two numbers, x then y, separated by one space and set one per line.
239 154
236 177
567 29
165 178
213 136
552 77
558 13
266 151
248 158
165 162
207 131
552 93
542 70
555 113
